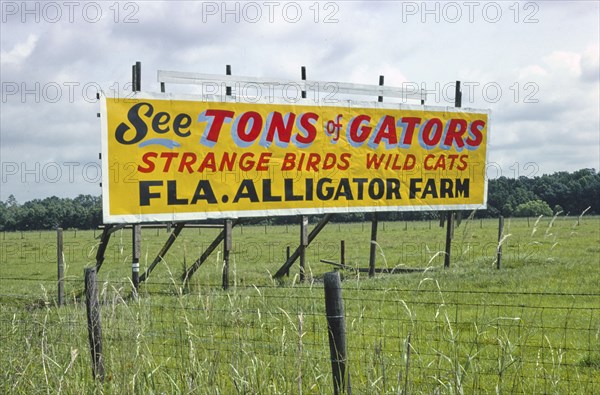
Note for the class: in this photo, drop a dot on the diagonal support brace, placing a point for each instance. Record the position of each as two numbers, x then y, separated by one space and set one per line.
311 236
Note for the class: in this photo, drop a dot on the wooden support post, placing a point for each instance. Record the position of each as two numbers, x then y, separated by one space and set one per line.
336 326
450 215
209 250
104 239
500 234
172 237
287 258
303 77
61 266
311 236
449 225
342 252
138 74
303 245
228 72
93 322
136 248
227 244
373 249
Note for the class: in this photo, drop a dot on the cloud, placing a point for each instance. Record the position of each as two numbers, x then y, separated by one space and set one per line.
547 71
20 52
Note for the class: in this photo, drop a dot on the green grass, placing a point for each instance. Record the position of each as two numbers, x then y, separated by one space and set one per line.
531 327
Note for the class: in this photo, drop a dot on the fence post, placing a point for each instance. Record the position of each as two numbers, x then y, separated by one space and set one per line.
136 241
336 325
92 306
61 266
373 250
342 252
449 225
303 244
500 234
227 243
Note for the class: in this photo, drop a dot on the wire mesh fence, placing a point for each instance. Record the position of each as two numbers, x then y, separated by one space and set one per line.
274 339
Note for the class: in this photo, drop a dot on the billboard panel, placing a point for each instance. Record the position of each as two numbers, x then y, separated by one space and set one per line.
168 157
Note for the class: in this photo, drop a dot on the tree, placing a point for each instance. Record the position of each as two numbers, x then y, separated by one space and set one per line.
533 208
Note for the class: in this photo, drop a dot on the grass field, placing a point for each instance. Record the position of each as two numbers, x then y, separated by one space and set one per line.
531 327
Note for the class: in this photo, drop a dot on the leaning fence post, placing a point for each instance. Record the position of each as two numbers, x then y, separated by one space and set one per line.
336 325
61 266
92 306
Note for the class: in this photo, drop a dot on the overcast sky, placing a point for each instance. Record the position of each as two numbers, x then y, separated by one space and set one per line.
533 64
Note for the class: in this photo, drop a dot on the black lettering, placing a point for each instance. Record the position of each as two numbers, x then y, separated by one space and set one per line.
462 188
392 188
414 188
267 193
309 189
141 129
430 189
247 190
361 184
446 185
172 199
322 192
145 194
204 191
344 190
288 184
376 195
182 121
160 119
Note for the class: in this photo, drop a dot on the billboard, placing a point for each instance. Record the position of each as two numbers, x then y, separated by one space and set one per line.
176 157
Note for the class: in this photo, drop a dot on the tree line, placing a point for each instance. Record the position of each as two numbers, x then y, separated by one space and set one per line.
561 192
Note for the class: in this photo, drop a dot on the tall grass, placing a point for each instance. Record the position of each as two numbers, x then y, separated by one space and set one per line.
532 327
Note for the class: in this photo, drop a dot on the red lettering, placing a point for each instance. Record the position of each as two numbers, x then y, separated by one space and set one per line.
456 129
409 129
307 127
147 158
475 133
430 139
169 156
353 132
386 130
279 127
248 136
344 161
219 116
187 160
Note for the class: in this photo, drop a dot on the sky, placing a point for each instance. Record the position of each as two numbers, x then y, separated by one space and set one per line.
534 65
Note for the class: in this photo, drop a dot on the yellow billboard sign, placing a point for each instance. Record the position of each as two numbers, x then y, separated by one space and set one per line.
168 158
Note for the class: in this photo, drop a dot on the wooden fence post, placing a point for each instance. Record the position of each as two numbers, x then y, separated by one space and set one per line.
303 244
336 326
500 234
342 252
92 306
61 266
449 226
373 250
